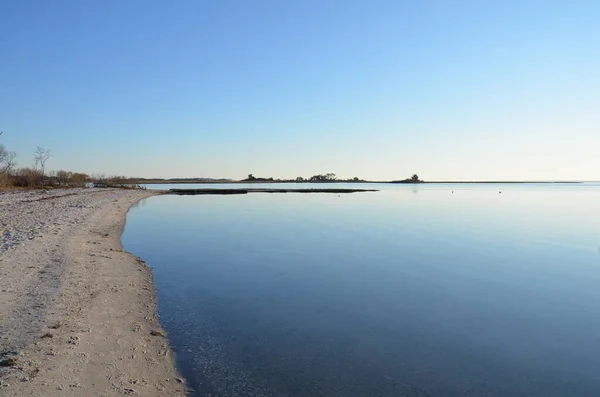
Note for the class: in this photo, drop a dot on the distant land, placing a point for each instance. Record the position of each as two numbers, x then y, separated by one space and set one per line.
324 179
181 180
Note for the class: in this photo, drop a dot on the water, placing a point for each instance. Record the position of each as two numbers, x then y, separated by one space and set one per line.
428 290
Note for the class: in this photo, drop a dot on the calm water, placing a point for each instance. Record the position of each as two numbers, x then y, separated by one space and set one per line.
437 290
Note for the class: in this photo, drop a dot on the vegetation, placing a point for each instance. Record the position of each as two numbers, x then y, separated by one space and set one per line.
330 177
116 181
33 178
40 158
7 159
413 179
252 178
38 177
70 179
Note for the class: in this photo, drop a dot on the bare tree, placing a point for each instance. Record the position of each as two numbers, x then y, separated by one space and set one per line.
41 156
7 159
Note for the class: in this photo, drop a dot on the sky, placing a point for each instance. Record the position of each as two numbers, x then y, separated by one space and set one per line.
447 89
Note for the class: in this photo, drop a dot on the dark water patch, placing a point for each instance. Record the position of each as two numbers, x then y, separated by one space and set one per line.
195 192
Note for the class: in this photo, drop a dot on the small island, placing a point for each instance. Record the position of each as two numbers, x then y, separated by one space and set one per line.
412 179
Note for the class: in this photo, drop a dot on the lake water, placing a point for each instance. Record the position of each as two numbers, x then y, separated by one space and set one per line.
428 290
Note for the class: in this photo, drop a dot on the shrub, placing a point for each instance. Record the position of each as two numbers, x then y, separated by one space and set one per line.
27 177
69 179
115 181
4 179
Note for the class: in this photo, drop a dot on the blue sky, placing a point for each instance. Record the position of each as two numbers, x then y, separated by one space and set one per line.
448 89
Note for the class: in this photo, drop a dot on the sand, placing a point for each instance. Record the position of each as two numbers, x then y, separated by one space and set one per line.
77 314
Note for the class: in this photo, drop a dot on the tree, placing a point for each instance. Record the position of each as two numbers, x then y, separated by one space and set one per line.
7 159
251 177
41 156
71 179
323 178
299 179
415 177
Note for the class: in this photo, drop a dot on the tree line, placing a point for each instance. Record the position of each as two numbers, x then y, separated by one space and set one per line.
329 177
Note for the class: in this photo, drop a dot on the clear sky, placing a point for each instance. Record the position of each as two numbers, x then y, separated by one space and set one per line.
448 89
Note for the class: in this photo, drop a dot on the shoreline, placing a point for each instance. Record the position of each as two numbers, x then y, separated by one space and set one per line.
78 315
275 182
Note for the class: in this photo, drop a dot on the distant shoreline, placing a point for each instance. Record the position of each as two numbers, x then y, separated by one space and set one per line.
202 181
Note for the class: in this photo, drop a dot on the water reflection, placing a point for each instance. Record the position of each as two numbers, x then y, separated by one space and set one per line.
140 203
394 293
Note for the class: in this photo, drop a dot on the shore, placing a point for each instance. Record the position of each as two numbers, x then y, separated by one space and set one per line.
77 314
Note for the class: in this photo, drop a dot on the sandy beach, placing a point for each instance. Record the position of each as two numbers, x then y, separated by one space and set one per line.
77 314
